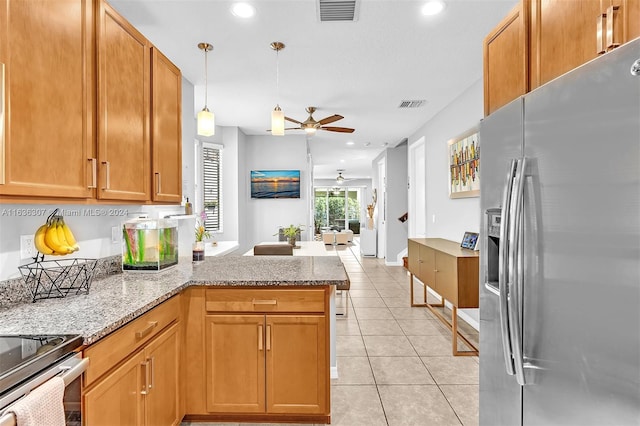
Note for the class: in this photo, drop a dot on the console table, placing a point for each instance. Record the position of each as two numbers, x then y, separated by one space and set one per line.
450 271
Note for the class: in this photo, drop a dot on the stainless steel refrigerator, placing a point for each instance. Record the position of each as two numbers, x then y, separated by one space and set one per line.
560 268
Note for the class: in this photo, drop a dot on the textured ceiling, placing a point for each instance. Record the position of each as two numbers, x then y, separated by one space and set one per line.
361 70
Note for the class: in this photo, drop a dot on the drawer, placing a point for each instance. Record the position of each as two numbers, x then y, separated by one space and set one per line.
267 300
118 345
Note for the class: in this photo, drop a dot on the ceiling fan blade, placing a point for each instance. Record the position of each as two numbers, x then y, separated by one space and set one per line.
292 120
338 129
289 128
330 119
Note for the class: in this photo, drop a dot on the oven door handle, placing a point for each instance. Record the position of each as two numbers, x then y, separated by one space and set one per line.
71 373
68 373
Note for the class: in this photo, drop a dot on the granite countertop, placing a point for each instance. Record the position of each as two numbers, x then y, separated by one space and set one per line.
117 299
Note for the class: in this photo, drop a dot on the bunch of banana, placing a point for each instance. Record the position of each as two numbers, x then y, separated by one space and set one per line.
55 237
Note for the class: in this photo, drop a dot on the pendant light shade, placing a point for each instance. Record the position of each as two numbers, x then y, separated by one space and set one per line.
277 115
277 121
206 123
206 119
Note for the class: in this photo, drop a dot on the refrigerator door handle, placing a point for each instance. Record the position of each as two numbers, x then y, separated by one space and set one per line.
516 271
503 268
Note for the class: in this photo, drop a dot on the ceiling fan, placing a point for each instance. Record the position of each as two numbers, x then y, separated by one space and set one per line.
310 125
340 178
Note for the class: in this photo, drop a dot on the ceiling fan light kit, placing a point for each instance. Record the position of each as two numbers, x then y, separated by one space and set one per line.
277 116
243 10
433 7
205 118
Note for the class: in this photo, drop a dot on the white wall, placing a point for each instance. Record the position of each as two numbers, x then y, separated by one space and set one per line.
263 217
452 216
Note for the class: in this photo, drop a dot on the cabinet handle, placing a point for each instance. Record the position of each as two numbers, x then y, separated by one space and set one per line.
152 371
108 181
145 387
2 160
94 173
264 302
259 337
268 337
144 332
600 28
158 184
613 16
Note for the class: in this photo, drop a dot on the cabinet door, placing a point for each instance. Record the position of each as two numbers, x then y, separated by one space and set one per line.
123 109
46 126
632 19
235 363
162 402
117 399
166 122
414 257
447 276
563 37
297 364
506 52
428 266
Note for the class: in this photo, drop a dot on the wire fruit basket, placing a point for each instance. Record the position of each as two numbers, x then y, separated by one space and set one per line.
47 279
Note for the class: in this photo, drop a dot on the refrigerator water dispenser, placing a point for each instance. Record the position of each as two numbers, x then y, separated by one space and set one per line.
493 248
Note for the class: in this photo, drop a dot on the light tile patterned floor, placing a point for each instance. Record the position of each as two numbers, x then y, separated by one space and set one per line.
394 362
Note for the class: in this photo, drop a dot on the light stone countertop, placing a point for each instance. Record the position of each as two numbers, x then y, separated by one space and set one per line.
117 299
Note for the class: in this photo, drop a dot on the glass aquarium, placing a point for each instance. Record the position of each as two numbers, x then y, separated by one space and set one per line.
149 244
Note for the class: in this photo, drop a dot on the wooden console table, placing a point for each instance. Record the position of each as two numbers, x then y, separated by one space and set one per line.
450 271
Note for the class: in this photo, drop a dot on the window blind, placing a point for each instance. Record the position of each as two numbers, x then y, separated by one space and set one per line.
211 187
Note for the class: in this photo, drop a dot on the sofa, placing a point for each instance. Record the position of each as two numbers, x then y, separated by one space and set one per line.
333 237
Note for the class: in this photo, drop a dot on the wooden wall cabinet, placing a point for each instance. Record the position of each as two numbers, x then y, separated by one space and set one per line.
124 70
540 40
166 123
506 54
450 271
46 96
266 355
134 376
72 130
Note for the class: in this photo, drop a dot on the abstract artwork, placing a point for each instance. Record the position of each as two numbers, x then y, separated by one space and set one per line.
464 165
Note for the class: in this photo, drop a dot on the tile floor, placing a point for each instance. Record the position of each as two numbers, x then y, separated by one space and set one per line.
394 362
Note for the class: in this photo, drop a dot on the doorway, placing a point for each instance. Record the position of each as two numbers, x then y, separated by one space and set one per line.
337 209
417 192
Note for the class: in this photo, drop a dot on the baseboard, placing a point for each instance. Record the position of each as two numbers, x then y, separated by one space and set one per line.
387 263
334 372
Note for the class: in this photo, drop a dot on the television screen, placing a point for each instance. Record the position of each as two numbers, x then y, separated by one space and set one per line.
275 184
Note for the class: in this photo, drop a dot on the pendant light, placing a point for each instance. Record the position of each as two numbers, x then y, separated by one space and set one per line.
206 119
277 115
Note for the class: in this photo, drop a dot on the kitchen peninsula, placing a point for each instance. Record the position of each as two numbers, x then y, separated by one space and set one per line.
211 315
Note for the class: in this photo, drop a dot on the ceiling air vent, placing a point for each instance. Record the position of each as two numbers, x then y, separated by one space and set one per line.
337 10
412 104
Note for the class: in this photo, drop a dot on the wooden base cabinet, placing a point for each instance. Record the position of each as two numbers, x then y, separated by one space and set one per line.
134 375
266 364
259 355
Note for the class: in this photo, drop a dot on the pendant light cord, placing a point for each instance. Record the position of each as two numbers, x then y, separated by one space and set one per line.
206 83
278 75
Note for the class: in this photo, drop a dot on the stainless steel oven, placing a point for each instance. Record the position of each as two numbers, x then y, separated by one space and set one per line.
26 362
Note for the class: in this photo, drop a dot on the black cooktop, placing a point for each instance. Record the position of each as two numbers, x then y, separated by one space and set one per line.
22 356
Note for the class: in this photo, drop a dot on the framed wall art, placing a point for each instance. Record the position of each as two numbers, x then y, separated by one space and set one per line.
464 165
275 184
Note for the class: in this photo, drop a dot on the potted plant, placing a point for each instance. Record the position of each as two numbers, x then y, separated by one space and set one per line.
200 234
292 232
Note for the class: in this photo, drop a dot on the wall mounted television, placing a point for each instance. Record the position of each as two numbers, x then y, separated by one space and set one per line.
275 184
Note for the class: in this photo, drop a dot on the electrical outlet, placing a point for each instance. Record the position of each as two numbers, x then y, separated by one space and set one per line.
116 233
433 218
27 248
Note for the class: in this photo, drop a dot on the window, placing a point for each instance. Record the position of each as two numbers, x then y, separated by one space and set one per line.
211 186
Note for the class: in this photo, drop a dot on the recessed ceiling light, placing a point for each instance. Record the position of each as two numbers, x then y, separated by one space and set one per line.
342 161
350 143
243 10
432 7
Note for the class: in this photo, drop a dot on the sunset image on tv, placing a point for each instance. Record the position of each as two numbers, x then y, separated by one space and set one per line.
275 184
